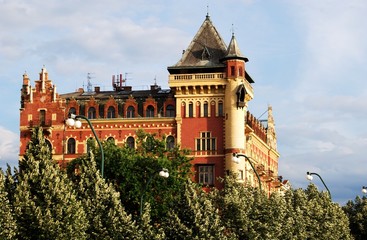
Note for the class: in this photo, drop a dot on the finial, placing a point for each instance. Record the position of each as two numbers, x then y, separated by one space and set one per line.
207 11
232 29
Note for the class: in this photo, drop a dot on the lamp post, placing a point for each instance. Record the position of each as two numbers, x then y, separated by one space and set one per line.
235 158
364 189
73 121
162 173
309 177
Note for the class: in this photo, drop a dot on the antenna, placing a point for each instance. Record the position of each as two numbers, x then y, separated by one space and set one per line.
89 83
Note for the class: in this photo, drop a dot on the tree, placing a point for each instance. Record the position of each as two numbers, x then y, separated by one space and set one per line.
8 227
357 214
45 203
130 170
194 216
106 216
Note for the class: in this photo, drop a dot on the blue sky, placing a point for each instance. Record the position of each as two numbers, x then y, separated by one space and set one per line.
308 60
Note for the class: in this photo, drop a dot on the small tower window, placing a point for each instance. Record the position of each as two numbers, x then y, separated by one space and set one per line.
42 117
241 92
240 71
232 71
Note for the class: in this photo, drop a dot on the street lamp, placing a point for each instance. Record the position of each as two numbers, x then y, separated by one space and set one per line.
236 159
73 121
162 173
364 189
309 177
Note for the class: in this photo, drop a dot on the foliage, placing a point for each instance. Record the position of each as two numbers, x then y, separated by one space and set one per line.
357 213
45 202
8 227
194 216
106 216
130 170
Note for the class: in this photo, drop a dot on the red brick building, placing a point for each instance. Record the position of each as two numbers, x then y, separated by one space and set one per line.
204 109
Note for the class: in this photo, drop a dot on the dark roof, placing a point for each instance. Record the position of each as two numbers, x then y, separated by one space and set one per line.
205 50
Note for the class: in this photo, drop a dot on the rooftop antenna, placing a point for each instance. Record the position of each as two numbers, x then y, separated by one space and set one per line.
207 11
126 77
89 84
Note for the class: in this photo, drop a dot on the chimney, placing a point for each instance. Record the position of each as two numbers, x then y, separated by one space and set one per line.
97 89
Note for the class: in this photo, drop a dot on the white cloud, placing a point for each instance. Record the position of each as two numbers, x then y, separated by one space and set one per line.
9 147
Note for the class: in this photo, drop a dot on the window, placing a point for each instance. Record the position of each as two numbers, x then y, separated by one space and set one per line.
71 146
130 141
170 111
72 111
42 117
191 109
206 174
206 142
149 111
91 113
130 113
111 139
220 109
205 109
240 71
170 142
232 70
111 112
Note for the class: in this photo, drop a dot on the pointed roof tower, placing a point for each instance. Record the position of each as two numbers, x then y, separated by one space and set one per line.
205 50
233 51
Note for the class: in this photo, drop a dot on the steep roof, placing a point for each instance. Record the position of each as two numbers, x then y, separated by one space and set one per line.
205 50
234 51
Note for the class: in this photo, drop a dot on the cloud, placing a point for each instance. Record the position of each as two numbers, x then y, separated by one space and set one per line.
9 147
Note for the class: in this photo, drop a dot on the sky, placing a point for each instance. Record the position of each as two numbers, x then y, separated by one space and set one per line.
308 60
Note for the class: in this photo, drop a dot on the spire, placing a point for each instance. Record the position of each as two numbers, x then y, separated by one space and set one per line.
233 51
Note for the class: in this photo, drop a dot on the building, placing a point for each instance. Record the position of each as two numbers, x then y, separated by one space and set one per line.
205 109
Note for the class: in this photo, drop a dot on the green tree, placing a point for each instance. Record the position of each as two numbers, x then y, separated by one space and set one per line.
130 170
107 217
326 220
45 202
8 227
357 214
194 216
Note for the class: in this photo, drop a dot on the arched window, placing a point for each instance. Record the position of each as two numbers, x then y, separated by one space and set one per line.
170 111
49 145
111 112
191 109
206 109
130 113
72 110
130 141
71 146
170 142
91 113
111 139
150 111
220 109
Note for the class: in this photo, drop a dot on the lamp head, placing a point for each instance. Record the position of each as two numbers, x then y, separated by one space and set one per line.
78 124
164 173
70 122
364 189
235 159
309 176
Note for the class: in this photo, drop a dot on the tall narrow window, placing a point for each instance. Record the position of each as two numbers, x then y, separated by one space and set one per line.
170 111
149 111
130 113
42 117
206 174
130 141
111 112
91 113
170 142
220 109
232 70
205 106
191 109
71 146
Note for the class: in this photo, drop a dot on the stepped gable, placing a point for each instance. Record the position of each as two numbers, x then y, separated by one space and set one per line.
205 50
